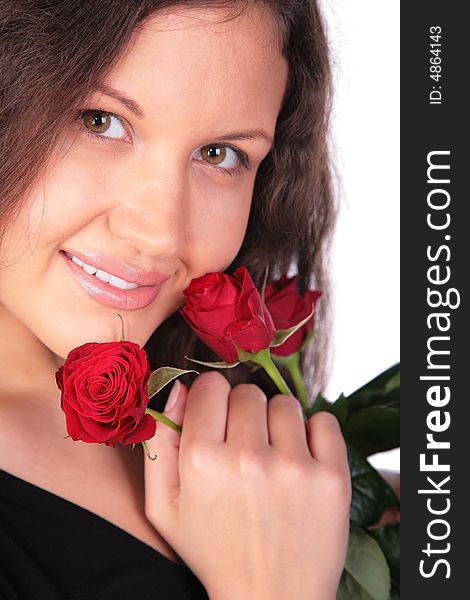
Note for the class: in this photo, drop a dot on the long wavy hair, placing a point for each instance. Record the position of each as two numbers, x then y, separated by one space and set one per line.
54 53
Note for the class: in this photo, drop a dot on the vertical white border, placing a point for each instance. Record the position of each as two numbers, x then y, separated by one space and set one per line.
364 39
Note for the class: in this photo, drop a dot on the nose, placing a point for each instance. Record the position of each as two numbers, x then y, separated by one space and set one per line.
149 212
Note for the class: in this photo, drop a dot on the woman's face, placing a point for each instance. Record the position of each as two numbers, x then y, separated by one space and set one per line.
156 198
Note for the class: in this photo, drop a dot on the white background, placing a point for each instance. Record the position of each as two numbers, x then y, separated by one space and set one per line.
364 39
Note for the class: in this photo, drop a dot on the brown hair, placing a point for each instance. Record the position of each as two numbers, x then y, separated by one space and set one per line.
54 53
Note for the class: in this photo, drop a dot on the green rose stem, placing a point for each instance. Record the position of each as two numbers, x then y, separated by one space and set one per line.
271 369
264 359
292 364
159 417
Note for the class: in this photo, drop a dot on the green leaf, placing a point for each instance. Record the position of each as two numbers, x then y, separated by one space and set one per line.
371 494
376 398
388 538
374 429
381 380
394 592
214 365
383 390
283 334
391 399
162 377
393 382
339 408
366 575
350 589
320 403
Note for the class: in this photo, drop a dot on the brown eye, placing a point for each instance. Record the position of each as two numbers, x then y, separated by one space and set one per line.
219 155
97 122
213 153
102 124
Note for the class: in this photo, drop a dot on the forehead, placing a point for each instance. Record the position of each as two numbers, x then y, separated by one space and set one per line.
200 57
252 30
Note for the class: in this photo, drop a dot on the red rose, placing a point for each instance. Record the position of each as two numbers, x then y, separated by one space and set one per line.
287 309
104 393
224 310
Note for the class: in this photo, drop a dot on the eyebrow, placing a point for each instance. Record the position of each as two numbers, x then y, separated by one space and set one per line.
134 107
249 134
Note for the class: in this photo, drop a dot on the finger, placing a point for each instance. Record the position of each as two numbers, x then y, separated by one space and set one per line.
286 425
205 416
326 441
161 474
247 419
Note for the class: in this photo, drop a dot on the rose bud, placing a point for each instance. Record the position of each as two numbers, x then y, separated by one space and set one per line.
287 309
224 310
104 393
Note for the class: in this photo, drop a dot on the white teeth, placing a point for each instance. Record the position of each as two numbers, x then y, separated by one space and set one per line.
115 281
103 275
77 260
106 277
89 269
120 283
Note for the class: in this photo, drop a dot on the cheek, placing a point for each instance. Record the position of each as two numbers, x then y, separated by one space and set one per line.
75 194
219 230
60 205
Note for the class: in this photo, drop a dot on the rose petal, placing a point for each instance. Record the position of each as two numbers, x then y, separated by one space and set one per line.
144 431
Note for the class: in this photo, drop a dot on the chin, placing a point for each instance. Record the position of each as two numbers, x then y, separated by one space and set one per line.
75 326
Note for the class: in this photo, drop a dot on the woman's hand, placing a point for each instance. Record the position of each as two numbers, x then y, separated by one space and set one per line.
255 501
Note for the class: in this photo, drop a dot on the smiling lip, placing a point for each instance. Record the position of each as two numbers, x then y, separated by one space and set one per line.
149 282
118 267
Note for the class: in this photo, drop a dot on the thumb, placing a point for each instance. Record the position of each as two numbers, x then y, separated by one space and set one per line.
161 474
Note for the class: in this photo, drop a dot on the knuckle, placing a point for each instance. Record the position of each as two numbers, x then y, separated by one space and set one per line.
285 401
336 484
251 464
293 471
208 379
200 457
248 389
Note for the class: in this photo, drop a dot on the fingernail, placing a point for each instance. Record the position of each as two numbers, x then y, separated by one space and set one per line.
173 397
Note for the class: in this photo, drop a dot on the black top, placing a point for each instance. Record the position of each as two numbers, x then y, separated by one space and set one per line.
53 549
